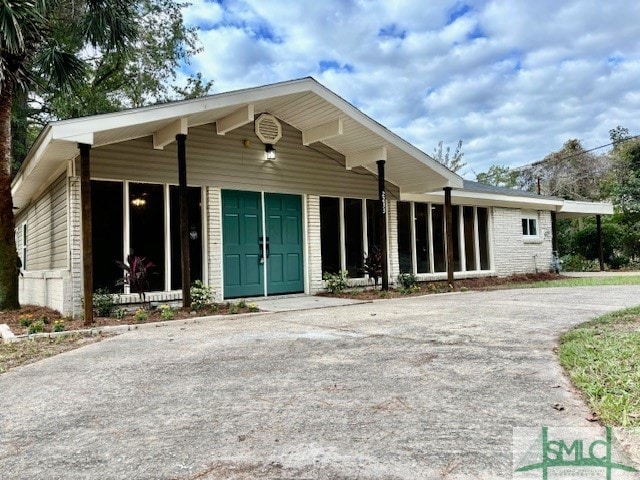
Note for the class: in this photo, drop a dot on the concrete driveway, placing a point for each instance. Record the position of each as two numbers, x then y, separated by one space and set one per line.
423 387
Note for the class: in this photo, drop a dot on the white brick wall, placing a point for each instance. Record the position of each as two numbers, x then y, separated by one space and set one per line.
214 223
512 254
46 287
314 266
74 300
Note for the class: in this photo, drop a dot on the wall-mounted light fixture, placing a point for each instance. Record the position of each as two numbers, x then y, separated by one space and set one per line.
138 202
270 151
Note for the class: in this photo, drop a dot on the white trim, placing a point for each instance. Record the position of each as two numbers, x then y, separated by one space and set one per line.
414 254
126 230
476 239
462 241
432 261
167 237
264 244
305 242
204 234
343 236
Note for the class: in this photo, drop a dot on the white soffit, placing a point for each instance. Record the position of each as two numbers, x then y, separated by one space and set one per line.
574 209
304 104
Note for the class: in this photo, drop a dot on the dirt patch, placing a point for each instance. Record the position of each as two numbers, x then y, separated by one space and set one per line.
21 353
423 288
20 320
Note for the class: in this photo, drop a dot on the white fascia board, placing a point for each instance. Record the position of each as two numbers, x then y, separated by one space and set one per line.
572 208
461 197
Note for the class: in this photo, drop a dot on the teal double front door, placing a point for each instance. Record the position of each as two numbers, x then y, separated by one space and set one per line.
261 243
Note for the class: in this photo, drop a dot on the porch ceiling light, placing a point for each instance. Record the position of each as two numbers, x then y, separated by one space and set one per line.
270 151
138 202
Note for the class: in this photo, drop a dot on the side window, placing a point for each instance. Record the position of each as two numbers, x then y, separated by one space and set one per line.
21 244
530 226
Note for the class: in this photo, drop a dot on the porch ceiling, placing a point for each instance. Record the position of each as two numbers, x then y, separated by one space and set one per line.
301 103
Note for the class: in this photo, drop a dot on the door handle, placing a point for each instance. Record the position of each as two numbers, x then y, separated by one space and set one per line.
261 244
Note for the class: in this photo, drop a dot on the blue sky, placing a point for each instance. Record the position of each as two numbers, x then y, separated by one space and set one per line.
514 79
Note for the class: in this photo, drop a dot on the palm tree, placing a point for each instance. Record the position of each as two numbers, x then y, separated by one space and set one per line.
42 41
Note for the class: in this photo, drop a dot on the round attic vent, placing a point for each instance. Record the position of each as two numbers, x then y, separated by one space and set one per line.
268 129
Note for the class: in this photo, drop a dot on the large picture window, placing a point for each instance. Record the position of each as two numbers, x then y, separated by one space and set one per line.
470 232
194 201
107 234
353 236
405 255
330 234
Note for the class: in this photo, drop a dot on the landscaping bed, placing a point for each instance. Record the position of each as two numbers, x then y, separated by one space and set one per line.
35 319
424 288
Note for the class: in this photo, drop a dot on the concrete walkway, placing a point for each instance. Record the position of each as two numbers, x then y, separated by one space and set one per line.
422 387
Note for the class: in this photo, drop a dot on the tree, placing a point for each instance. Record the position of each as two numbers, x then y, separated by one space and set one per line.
452 162
113 80
30 52
499 176
571 173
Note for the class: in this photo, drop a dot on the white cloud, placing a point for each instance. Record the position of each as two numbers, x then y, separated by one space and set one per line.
513 79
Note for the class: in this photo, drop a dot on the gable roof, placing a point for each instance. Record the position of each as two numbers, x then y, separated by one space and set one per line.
302 103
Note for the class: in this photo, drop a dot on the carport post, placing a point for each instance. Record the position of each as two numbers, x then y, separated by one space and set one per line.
87 246
448 220
600 242
184 220
382 194
554 232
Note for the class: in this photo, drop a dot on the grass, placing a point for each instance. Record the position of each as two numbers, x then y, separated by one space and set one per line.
582 282
32 350
602 358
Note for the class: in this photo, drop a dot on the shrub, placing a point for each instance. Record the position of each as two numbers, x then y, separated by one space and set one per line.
103 302
36 327
232 309
407 283
618 261
213 308
200 295
166 312
336 282
373 264
253 307
242 303
26 320
136 274
577 263
58 325
120 313
141 315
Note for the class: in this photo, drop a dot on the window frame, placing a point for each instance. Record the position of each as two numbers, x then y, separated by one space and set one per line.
526 222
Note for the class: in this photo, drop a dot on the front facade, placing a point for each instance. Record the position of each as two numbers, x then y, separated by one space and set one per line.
257 225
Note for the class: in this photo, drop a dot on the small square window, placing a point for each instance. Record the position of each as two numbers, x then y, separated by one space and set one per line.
530 227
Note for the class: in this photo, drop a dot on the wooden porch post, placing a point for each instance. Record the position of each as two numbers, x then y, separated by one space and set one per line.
554 232
382 196
87 246
448 216
600 242
184 220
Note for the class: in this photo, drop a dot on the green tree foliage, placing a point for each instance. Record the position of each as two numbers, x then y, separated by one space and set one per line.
452 161
499 176
32 54
143 72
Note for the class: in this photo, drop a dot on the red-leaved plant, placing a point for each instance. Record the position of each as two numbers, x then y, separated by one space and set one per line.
136 274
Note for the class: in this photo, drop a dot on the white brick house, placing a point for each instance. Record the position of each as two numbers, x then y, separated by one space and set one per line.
260 225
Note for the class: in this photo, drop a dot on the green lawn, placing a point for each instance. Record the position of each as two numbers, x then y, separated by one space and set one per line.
584 282
602 358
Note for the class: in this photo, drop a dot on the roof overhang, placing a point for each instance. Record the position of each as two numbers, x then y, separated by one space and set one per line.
574 209
305 104
482 199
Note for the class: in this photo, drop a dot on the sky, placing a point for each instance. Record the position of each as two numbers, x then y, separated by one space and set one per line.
512 79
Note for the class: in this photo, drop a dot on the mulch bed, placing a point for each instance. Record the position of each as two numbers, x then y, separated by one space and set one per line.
423 288
35 312
12 318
